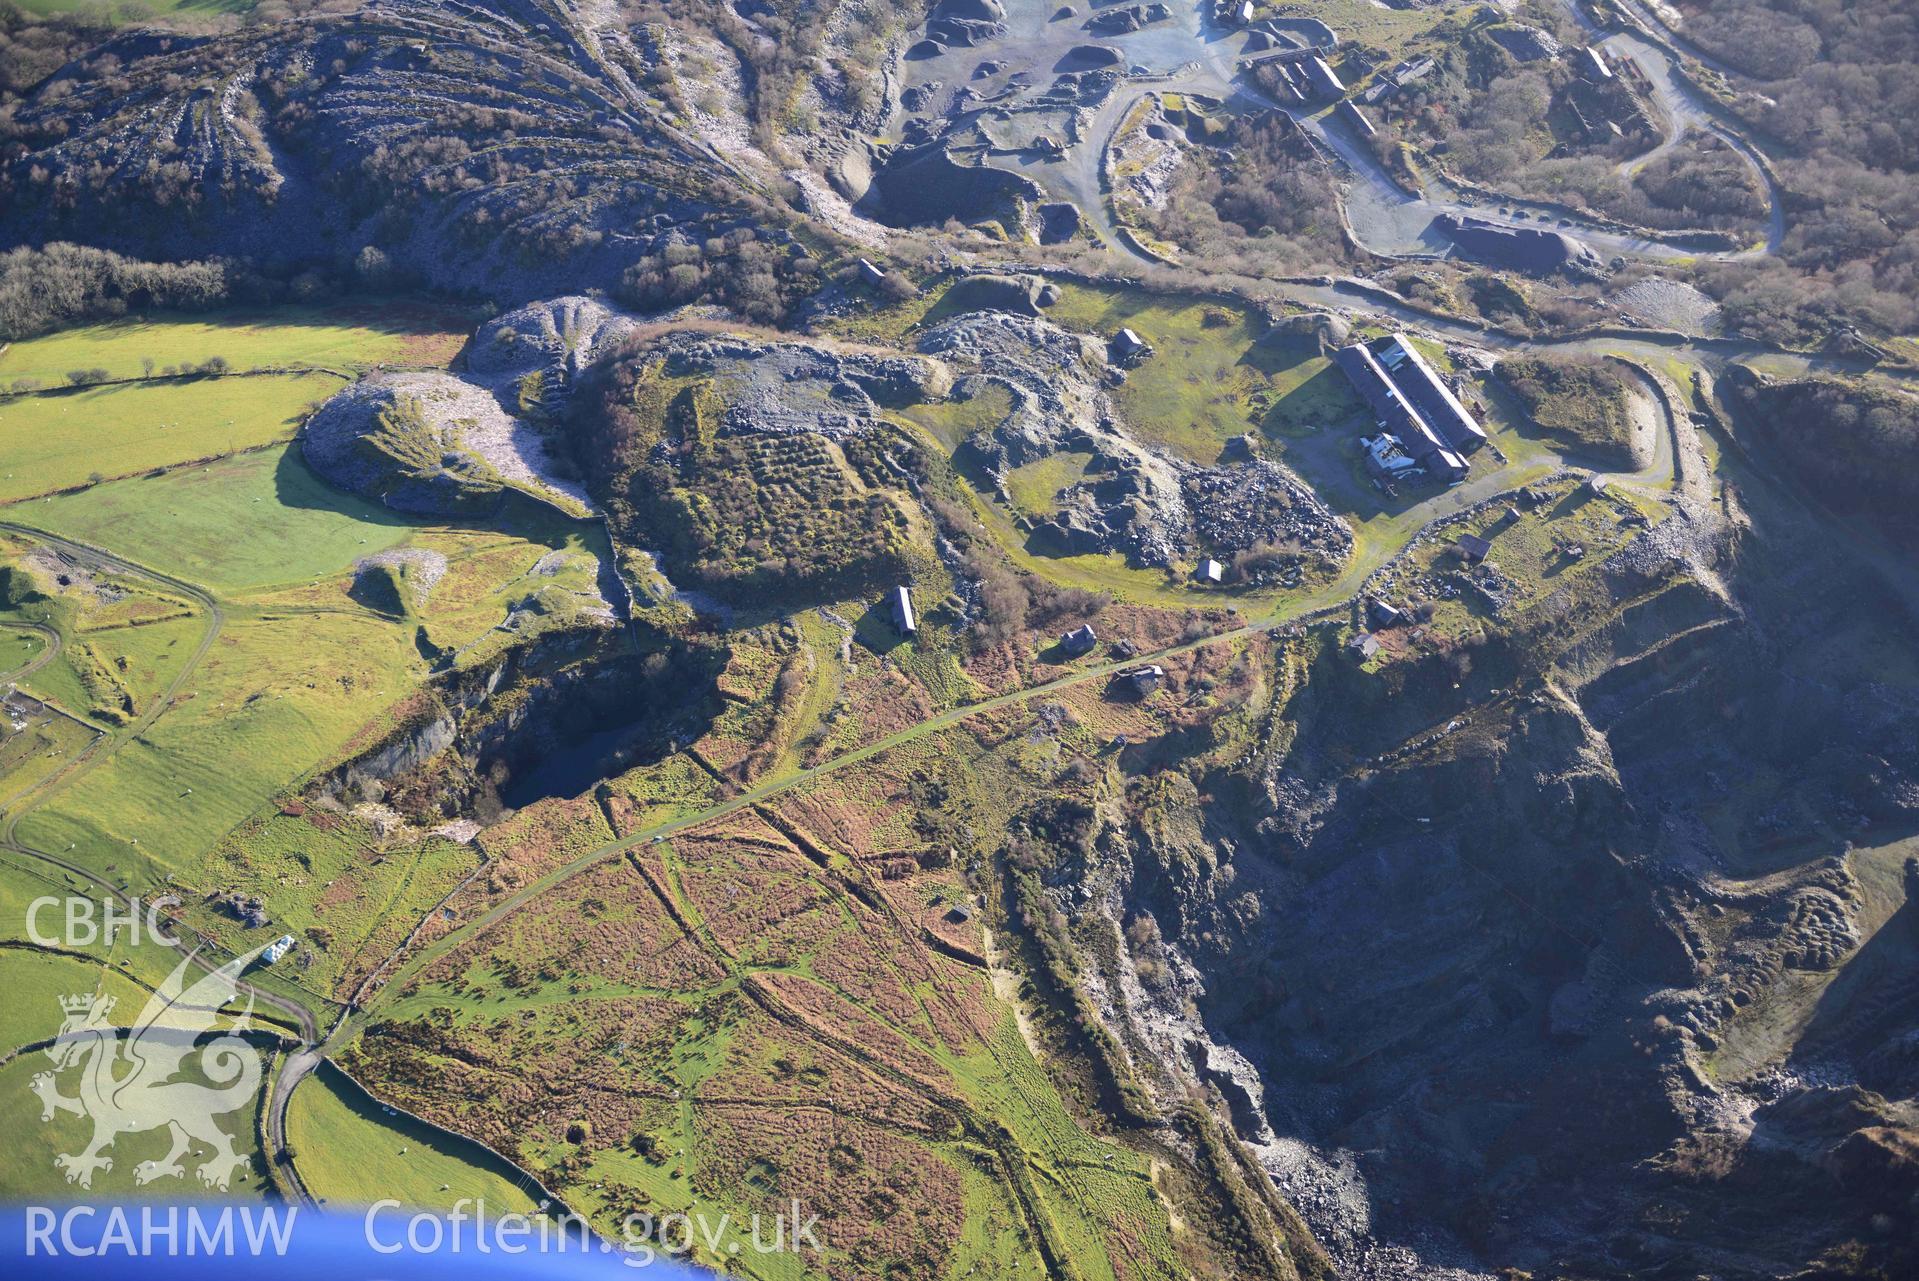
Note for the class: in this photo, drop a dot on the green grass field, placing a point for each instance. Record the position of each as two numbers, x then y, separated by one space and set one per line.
58 440
349 896
1215 371
332 337
18 647
36 750
139 661
27 1166
60 683
351 1150
35 982
1034 485
239 523
148 658
275 697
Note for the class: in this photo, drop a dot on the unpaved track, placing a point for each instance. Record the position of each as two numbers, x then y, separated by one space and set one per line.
48 652
1386 217
1336 595
102 747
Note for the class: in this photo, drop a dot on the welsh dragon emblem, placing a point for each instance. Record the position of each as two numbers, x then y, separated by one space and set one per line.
134 1079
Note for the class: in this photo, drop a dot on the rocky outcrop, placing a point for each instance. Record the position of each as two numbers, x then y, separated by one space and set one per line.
1149 506
432 444
789 387
579 697
565 335
925 186
1021 295
1524 962
1261 504
395 438
443 444
249 130
1125 21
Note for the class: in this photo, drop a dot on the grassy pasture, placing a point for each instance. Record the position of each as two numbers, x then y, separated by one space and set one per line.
35 982
346 895
1215 371
149 657
58 440
350 1150
18 648
27 1161
121 638
95 667
238 523
275 697
346 337
299 666
36 750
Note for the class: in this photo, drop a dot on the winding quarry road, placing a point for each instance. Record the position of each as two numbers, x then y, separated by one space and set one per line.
1649 349
103 746
1189 54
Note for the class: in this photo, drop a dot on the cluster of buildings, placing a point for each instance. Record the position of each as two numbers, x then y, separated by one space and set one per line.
1424 430
1388 83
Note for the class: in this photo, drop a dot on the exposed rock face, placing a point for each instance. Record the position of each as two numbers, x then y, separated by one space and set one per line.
431 445
1059 222
1526 44
563 334
925 186
1121 22
249 131
397 580
511 716
1022 295
970 10
1530 975
1237 508
439 444
1134 500
789 387
393 438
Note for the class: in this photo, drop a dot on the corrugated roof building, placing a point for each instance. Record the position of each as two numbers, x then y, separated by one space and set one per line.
1397 414
1420 383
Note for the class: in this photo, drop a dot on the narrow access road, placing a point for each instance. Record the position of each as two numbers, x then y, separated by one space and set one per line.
1341 592
304 1059
49 650
1385 217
